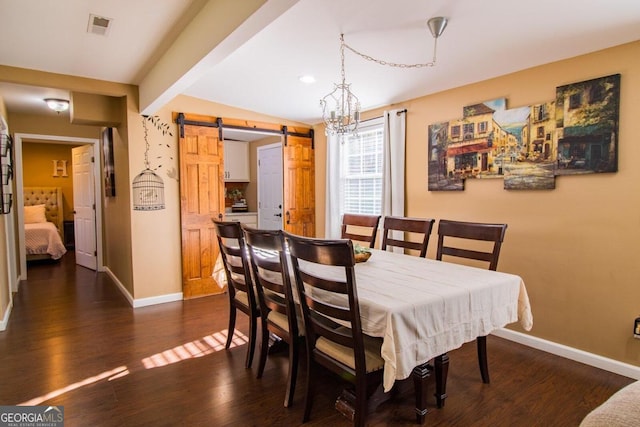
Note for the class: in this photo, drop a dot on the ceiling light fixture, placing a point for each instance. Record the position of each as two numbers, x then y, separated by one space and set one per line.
57 105
341 108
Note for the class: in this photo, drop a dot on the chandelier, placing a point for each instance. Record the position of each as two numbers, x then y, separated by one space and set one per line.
341 107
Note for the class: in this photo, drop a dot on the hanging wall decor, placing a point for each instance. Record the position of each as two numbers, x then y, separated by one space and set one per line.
109 167
574 134
6 169
148 188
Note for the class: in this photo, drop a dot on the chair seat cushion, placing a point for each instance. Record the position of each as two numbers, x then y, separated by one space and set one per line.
374 360
242 298
282 321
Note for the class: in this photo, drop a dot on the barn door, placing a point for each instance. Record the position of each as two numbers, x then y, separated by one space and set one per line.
299 185
201 200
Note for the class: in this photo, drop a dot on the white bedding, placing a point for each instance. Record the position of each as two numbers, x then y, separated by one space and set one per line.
43 238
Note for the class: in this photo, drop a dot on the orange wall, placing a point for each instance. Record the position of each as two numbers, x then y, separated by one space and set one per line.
574 246
38 170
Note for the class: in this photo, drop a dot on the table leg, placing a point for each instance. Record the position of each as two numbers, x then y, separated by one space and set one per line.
420 375
442 369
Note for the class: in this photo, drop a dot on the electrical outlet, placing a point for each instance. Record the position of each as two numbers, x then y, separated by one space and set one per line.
636 328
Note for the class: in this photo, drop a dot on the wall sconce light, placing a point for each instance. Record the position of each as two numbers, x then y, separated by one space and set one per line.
57 105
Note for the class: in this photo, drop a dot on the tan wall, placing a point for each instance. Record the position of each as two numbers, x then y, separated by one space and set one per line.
37 170
575 246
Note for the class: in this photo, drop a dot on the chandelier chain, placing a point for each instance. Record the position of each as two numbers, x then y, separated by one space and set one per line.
342 45
391 64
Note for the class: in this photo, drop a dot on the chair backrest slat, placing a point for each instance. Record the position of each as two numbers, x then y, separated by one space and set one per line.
361 228
235 260
270 269
325 294
470 231
410 227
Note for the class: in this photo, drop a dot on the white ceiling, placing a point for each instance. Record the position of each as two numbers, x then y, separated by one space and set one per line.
483 39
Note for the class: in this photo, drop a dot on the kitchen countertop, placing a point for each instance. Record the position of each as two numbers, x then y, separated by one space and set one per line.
241 213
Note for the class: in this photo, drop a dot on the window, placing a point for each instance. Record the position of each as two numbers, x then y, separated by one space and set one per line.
596 93
362 158
575 100
467 130
455 131
482 127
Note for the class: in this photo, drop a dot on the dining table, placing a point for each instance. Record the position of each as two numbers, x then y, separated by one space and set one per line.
423 309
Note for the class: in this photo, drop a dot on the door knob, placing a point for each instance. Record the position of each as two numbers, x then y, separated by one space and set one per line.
280 215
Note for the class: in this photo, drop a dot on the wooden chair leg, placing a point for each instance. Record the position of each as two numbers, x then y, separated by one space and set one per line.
308 400
441 366
361 407
264 349
482 358
420 376
232 325
253 325
293 372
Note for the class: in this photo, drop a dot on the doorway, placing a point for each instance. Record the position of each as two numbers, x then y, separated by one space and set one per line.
270 187
19 138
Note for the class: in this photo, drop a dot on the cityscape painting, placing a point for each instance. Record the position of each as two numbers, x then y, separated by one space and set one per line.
576 133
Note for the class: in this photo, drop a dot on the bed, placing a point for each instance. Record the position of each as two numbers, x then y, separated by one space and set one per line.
43 223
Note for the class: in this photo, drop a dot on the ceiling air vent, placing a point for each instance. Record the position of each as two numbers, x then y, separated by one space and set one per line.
99 25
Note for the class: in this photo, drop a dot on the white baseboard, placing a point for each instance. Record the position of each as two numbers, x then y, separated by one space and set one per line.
119 284
160 299
142 302
591 359
7 314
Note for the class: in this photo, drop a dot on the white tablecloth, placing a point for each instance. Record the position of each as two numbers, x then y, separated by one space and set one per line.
423 308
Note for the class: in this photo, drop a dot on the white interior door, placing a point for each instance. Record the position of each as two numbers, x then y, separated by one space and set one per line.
270 187
84 206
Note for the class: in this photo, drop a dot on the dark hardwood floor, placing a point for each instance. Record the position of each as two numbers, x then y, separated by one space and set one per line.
73 340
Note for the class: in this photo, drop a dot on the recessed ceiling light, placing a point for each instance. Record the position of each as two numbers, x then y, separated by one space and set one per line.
308 79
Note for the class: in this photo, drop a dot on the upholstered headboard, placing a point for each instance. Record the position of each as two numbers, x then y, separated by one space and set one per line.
51 197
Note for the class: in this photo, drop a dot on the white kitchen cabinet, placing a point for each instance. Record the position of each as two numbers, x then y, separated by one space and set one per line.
236 161
250 219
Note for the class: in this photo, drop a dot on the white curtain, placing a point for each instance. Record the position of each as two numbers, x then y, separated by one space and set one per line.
333 211
393 169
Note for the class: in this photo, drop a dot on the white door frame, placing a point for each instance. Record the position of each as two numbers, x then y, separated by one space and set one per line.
19 199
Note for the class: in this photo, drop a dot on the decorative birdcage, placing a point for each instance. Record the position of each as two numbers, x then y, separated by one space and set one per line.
148 188
148 191
5 144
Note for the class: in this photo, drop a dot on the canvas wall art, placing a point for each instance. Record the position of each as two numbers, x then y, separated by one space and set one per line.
576 133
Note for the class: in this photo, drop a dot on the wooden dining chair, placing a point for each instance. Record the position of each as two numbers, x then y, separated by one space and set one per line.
326 300
271 276
412 228
455 239
239 284
361 228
